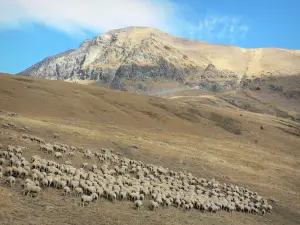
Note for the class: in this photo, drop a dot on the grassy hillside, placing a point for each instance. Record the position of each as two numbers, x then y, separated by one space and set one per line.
227 144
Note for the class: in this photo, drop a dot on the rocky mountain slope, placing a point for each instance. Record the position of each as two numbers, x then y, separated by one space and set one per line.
138 56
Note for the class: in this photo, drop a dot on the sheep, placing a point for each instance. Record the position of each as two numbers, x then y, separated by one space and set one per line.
58 155
27 128
55 135
45 182
112 196
94 167
11 180
138 204
22 129
95 196
86 199
128 180
68 162
71 154
8 171
84 165
78 191
87 155
31 189
153 205
67 191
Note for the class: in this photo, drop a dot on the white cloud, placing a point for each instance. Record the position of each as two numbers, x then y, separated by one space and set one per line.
216 28
76 17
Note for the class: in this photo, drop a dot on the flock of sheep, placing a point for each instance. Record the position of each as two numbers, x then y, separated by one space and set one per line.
116 177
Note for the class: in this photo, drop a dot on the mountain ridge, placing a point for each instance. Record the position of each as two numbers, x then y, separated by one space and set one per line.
140 54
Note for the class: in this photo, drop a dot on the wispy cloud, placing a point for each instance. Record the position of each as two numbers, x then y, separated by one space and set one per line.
216 28
76 17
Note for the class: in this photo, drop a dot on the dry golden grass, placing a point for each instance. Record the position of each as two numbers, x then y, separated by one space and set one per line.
244 62
208 141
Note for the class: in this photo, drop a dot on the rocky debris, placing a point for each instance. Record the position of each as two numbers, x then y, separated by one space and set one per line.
273 87
13 114
212 72
292 94
135 146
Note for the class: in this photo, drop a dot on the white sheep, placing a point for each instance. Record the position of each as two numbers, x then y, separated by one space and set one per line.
94 167
32 189
153 205
67 190
71 154
58 155
86 199
138 204
45 182
78 191
68 163
11 180
84 165
95 196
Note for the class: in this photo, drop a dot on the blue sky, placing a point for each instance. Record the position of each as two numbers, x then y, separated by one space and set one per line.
31 30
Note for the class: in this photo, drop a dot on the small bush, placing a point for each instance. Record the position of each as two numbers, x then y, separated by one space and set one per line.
167 47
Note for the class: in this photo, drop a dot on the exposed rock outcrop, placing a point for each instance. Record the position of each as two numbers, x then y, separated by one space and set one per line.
121 56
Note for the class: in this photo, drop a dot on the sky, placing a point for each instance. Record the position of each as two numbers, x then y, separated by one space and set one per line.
31 30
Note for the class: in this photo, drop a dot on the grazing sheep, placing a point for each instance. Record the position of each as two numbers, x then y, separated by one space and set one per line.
8 171
86 199
78 191
94 167
11 180
67 191
125 179
84 165
138 204
112 196
68 163
95 196
71 154
55 135
87 155
32 189
22 129
27 128
45 182
58 155
153 205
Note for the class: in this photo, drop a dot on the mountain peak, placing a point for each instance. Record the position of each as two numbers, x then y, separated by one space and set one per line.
138 55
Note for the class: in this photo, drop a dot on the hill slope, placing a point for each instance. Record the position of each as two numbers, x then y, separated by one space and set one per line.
144 55
208 141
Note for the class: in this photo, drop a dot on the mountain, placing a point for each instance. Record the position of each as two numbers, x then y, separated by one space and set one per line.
135 58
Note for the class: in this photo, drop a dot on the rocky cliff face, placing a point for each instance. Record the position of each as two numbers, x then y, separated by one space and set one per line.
122 57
